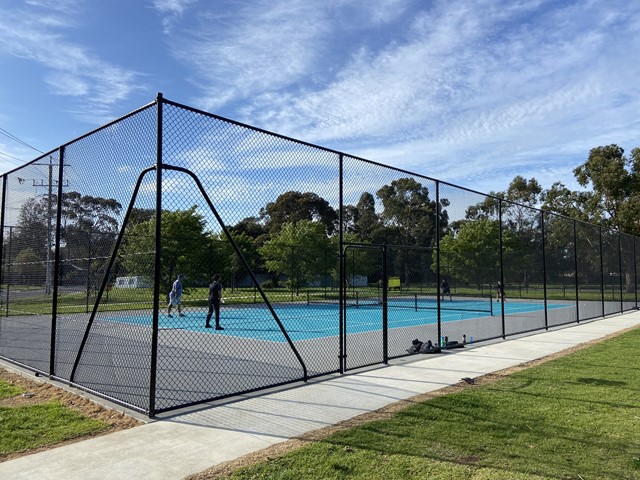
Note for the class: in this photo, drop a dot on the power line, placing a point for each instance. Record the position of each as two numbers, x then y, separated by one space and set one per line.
11 158
16 139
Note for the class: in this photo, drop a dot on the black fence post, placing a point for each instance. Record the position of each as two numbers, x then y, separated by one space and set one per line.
620 272
544 271
157 261
341 267
56 266
2 218
575 269
385 307
635 273
502 286
601 271
8 278
439 310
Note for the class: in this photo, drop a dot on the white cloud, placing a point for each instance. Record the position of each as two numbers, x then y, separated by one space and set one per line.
171 10
175 7
454 90
38 34
485 83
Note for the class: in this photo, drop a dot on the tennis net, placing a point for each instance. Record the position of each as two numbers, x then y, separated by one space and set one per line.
415 301
420 301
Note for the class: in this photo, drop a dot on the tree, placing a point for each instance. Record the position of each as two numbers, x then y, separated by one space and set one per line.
250 226
362 219
521 216
139 215
577 205
184 248
472 254
517 208
31 227
228 263
614 198
615 180
293 207
29 267
301 251
409 219
88 229
361 260
520 194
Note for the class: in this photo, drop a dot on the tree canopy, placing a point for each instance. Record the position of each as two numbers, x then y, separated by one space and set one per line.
293 207
88 228
184 247
302 251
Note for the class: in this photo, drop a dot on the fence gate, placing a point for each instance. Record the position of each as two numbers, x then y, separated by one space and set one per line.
365 306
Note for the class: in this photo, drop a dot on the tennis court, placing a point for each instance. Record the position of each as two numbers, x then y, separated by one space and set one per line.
312 321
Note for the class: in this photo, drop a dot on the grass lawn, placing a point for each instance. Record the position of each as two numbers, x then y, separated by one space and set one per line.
34 426
575 417
35 416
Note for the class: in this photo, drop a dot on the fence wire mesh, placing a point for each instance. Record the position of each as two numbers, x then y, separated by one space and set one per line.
327 262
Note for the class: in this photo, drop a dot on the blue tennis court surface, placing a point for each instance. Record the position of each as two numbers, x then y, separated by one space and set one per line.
305 322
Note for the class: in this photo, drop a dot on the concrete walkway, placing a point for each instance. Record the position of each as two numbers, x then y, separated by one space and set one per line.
172 447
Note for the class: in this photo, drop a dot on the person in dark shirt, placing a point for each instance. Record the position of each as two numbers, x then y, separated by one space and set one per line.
215 298
446 290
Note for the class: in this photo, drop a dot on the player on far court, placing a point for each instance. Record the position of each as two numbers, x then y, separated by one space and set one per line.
446 290
500 293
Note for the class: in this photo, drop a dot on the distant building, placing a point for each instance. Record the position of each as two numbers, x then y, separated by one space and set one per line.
132 282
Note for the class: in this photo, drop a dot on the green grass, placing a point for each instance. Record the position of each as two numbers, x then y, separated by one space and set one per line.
7 390
24 428
577 417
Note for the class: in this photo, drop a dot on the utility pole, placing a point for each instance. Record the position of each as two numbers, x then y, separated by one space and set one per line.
49 185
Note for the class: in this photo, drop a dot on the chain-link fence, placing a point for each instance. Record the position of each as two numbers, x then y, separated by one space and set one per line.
327 262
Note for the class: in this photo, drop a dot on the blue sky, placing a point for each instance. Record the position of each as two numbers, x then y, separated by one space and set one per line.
471 92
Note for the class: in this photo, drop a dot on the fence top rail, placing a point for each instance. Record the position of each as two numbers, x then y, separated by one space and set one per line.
77 139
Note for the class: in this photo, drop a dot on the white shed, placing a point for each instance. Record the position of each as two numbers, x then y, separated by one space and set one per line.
132 282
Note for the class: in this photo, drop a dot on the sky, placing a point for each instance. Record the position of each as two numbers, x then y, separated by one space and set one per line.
471 92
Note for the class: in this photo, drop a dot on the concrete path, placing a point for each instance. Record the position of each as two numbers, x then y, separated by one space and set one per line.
174 446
